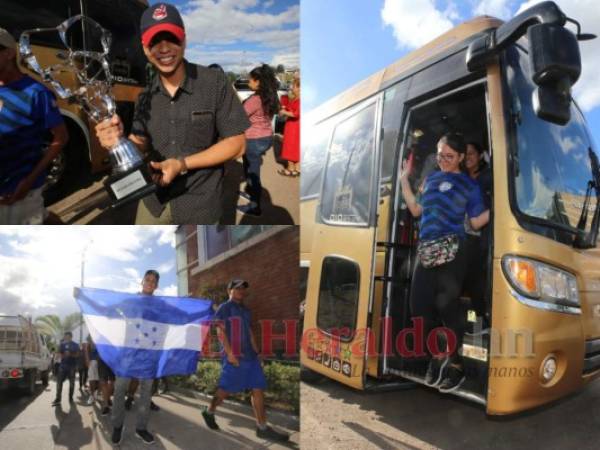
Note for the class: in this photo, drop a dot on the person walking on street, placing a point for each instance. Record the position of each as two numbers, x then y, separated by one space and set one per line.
69 353
149 285
242 369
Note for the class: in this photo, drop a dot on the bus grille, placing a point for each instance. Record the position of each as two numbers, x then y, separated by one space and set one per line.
591 361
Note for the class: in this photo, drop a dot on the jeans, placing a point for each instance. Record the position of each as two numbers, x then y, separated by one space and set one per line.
143 413
65 373
255 149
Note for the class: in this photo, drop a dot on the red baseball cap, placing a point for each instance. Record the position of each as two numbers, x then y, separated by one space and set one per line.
161 17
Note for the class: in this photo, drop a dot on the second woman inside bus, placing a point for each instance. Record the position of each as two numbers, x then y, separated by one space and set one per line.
445 197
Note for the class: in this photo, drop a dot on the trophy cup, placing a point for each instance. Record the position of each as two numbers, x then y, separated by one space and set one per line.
130 178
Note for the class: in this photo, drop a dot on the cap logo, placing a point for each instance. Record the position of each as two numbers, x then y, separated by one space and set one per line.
1 104
160 13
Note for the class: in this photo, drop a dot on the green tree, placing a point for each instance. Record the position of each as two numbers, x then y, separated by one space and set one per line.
52 326
280 68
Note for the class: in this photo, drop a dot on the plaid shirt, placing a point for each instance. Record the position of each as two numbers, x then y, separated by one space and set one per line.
204 110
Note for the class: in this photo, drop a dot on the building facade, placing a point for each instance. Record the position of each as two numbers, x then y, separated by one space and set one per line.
209 256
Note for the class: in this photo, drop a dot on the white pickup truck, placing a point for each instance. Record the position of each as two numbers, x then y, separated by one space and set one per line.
24 357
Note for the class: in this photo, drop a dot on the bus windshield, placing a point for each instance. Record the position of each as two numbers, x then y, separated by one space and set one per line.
551 163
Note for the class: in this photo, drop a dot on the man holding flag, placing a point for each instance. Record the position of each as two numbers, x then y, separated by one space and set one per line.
143 336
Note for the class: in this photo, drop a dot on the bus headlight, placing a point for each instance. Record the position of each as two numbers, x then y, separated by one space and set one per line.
542 282
548 369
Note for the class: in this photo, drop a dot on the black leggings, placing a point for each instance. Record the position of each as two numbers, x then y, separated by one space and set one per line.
434 297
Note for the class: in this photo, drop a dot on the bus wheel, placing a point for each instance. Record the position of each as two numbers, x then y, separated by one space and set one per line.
70 168
309 376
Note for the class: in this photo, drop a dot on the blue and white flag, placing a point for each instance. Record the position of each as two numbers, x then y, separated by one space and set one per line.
145 336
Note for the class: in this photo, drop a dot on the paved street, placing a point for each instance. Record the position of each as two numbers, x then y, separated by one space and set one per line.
334 416
30 423
280 204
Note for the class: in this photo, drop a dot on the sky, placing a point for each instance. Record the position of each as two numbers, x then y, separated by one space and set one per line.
42 264
345 41
241 34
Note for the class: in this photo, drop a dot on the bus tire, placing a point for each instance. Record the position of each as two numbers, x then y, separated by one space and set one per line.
72 166
310 376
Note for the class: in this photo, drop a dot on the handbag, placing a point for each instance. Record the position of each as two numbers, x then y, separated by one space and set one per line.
435 252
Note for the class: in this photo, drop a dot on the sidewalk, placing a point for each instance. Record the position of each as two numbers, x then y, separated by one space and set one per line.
178 425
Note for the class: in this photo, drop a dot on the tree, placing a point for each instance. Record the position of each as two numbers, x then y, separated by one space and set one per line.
280 69
52 326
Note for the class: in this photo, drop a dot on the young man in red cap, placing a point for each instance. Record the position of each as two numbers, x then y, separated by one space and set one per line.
190 121
241 368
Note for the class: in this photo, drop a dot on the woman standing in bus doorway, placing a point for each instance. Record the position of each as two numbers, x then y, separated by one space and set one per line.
477 240
447 195
291 133
260 108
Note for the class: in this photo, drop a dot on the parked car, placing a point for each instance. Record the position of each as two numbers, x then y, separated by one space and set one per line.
24 356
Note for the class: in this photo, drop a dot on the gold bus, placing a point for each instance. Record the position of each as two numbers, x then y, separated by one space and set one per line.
507 87
83 154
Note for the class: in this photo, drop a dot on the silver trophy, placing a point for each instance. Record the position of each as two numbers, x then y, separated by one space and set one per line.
130 178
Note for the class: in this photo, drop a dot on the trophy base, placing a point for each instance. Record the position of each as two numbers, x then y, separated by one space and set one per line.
130 185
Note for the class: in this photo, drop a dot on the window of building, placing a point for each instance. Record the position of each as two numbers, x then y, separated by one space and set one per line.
214 240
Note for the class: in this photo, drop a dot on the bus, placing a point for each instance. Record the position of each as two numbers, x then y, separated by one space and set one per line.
83 154
507 86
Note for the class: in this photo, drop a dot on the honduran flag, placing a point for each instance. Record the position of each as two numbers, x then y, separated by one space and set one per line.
145 336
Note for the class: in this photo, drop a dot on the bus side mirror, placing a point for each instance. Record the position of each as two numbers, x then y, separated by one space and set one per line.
556 67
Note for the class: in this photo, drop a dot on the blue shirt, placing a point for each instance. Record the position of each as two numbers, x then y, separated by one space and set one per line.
27 111
236 318
445 199
69 361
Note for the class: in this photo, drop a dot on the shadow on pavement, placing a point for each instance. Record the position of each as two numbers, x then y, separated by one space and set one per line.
450 422
14 401
72 420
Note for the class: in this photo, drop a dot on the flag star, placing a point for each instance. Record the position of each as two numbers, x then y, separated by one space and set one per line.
153 342
146 334
137 326
154 329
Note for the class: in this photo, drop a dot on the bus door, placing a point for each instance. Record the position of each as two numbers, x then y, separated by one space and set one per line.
340 281
463 110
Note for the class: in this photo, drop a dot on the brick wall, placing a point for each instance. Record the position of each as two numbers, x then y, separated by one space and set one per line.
271 267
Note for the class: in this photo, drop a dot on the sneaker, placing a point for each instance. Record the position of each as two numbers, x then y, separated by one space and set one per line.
128 403
105 411
56 402
434 371
145 436
250 210
271 435
209 418
117 435
455 377
154 406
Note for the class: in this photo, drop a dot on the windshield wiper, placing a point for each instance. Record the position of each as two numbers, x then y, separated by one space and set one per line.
585 240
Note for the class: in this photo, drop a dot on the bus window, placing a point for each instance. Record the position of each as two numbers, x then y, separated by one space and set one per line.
393 103
347 189
552 162
338 297
314 154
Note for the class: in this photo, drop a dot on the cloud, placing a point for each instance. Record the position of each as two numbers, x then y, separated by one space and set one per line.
41 265
587 13
170 291
495 8
414 23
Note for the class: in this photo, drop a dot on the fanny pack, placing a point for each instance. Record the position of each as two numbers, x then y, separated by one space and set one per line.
436 252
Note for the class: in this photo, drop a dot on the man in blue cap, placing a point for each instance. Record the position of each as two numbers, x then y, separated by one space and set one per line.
242 369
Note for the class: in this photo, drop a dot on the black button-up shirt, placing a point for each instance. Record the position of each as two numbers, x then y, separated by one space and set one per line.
204 109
